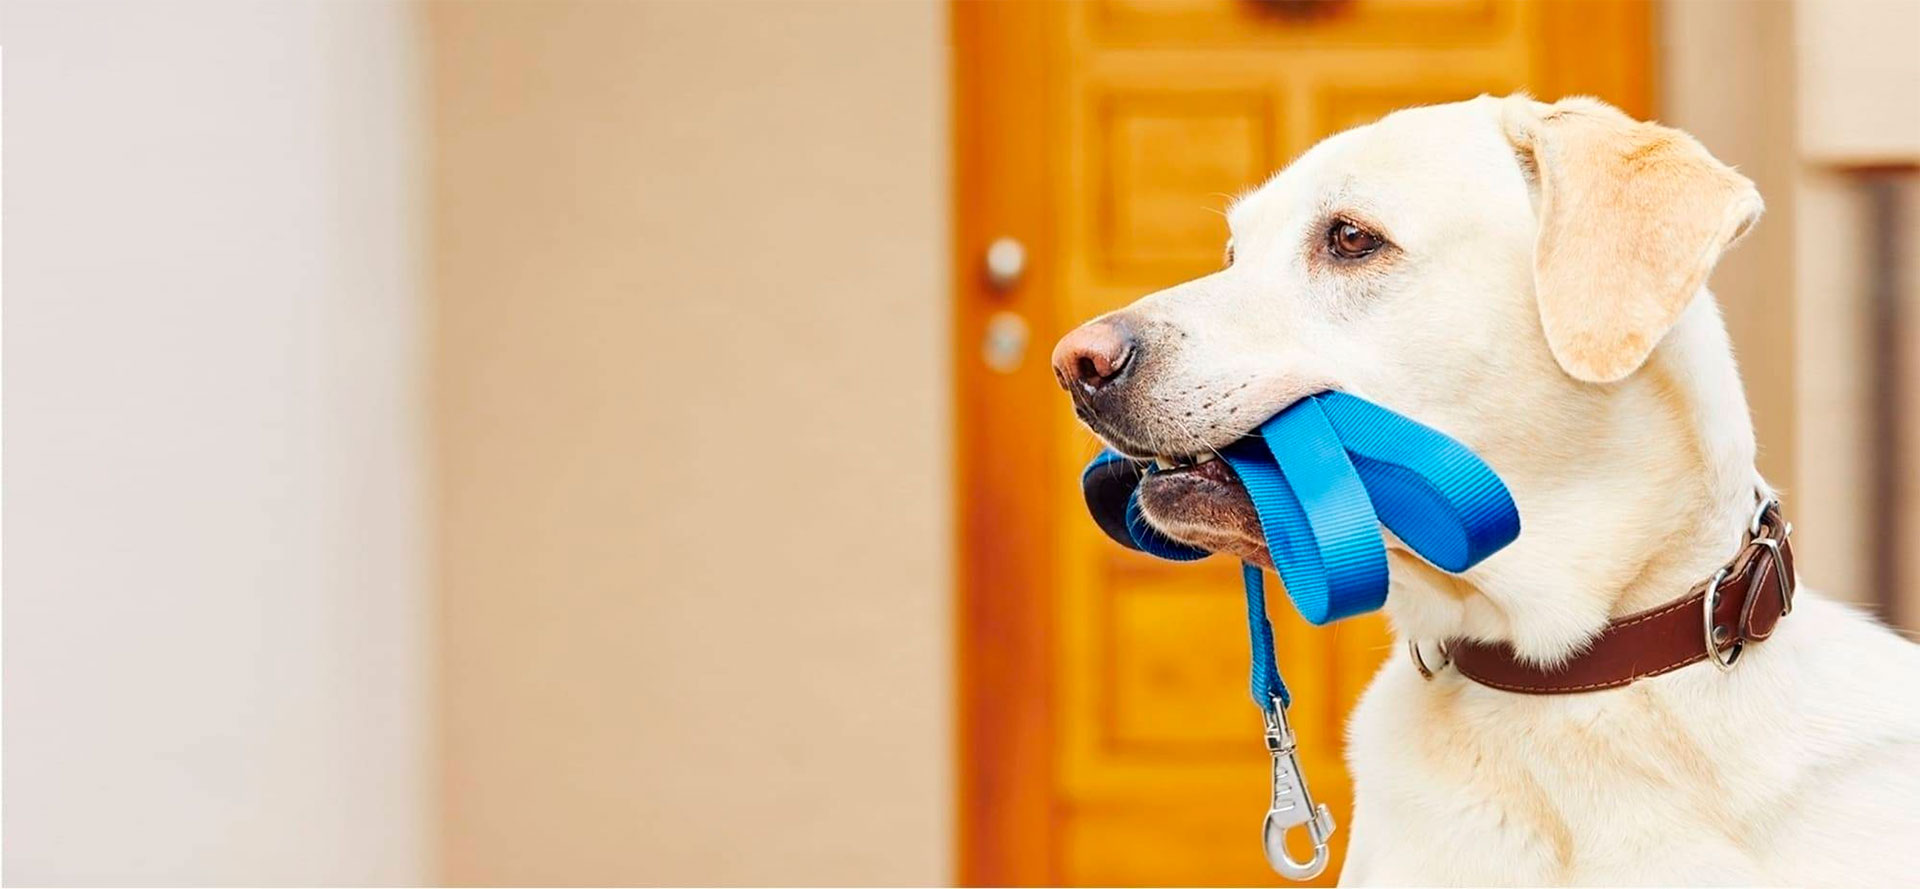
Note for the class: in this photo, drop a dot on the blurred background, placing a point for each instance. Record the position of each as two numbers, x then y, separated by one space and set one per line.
585 442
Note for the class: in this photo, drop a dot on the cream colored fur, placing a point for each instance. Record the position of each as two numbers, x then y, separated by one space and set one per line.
1544 302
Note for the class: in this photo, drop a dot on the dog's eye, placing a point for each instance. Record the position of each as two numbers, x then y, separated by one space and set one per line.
1349 241
1227 260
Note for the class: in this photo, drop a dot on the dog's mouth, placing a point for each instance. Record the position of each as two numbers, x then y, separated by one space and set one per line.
1196 499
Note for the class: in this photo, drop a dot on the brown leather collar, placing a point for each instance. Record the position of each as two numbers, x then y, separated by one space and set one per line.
1745 600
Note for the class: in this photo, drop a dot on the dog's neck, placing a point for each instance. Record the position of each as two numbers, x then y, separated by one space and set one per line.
1654 502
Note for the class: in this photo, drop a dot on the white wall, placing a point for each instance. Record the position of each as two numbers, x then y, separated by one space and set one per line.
215 653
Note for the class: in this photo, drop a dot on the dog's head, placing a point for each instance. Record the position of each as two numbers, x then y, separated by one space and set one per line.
1487 267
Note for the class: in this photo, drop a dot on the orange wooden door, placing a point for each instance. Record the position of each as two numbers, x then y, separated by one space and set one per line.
1106 733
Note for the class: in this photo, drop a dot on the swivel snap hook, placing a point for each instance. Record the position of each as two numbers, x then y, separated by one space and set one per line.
1292 805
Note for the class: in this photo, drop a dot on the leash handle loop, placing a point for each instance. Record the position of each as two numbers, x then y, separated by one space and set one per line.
1314 510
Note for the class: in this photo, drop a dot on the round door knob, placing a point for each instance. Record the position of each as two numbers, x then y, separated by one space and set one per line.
1006 263
1005 343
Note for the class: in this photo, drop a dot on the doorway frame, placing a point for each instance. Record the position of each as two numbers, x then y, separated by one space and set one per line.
1005 105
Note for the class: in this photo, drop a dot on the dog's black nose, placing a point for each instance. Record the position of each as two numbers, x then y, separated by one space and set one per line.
1094 355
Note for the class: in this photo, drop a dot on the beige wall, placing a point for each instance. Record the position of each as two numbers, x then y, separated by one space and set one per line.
1857 72
692 439
216 641
1858 78
1802 96
1720 80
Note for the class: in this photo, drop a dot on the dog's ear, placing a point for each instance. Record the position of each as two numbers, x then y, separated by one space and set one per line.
1632 218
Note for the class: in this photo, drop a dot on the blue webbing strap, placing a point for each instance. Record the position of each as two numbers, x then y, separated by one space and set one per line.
1320 525
1333 469
1439 498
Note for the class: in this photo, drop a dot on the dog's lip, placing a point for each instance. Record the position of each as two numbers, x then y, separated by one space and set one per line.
1205 506
1200 501
1210 468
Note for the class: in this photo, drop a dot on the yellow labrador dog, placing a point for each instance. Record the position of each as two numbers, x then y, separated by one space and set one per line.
1530 278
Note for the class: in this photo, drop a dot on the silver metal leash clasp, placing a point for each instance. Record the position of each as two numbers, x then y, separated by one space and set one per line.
1292 805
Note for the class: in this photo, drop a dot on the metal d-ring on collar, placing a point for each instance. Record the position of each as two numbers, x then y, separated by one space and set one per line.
1711 601
1420 661
1707 604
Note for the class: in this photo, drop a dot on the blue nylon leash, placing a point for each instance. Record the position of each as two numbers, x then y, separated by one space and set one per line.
1324 475
1320 526
1267 686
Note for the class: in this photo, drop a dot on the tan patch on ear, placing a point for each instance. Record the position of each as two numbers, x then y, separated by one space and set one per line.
1633 217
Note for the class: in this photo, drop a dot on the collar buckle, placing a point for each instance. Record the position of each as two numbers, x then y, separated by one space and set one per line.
1759 534
1740 605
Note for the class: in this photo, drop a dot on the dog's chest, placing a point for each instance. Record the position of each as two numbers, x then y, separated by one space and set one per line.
1542 790
1799 767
